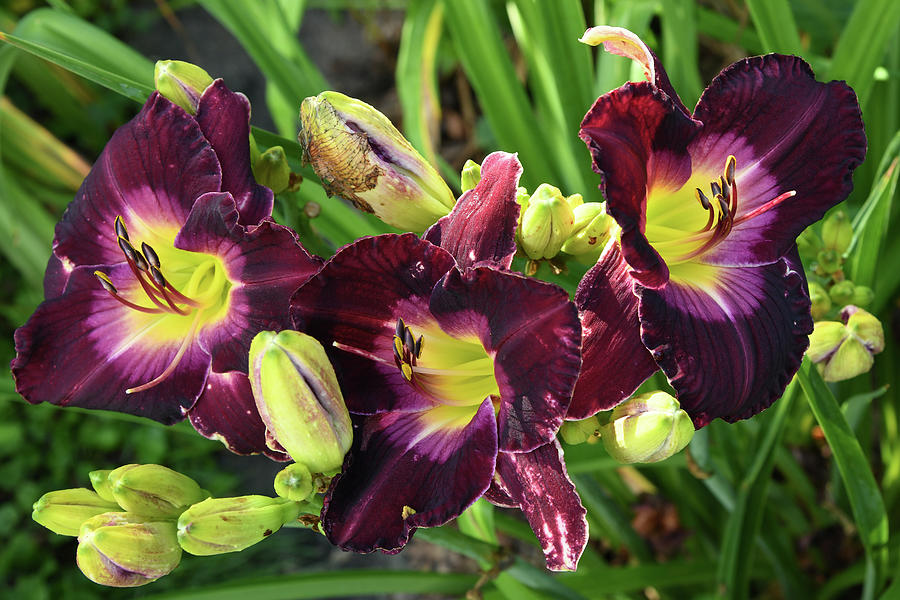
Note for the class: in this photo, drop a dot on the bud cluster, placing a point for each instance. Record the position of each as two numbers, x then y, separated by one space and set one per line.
135 523
846 337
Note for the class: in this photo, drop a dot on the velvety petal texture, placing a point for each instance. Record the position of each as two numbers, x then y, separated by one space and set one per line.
224 118
480 230
538 484
616 359
409 470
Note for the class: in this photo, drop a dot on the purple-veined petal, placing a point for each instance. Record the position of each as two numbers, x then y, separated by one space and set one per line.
85 349
265 264
638 139
224 118
731 339
355 301
227 412
150 173
620 41
541 487
531 330
480 230
55 277
788 132
614 359
409 470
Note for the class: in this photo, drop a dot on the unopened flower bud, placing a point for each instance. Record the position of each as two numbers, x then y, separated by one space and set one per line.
809 243
154 490
647 428
546 223
125 550
181 82
863 296
100 483
220 525
64 511
574 201
845 350
579 432
271 169
359 155
829 261
294 482
837 232
470 176
842 292
299 400
590 232
820 301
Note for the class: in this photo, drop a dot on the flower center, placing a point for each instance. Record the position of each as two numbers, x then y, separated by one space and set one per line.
194 292
681 233
454 371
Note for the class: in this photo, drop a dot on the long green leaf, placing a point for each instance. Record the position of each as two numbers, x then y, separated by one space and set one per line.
680 48
743 525
862 44
337 584
865 498
775 26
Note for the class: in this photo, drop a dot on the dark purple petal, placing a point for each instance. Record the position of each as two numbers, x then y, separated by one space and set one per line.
614 359
730 345
85 349
638 140
402 461
531 330
356 299
55 277
538 481
150 173
481 228
787 132
224 117
265 264
227 412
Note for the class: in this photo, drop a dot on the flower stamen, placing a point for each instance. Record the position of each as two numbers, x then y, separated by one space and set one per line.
188 339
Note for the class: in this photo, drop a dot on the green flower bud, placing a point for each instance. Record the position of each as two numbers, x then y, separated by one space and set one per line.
647 428
845 350
546 223
220 525
271 169
294 482
590 232
842 292
829 261
154 490
299 400
574 201
359 155
821 301
470 176
125 550
837 232
100 483
809 243
63 511
579 432
862 296
181 82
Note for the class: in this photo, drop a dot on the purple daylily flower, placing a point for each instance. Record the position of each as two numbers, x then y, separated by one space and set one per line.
458 373
703 277
163 269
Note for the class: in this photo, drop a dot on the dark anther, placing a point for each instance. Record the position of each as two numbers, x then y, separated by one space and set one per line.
150 254
408 340
401 327
716 190
105 282
419 343
157 276
724 207
730 165
120 228
397 356
726 190
127 248
140 262
704 201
